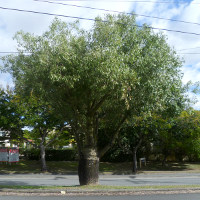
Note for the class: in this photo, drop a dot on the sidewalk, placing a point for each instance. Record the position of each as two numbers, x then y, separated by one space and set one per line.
144 183
142 179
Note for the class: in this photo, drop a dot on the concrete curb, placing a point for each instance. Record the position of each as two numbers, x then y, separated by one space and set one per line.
86 192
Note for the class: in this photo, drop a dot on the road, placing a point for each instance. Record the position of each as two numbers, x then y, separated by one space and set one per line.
116 180
133 197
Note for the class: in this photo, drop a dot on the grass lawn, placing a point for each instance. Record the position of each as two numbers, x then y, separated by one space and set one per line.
68 167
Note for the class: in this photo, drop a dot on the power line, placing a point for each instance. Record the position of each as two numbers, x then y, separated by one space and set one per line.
101 9
188 49
89 19
134 1
8 52
16 52
190 53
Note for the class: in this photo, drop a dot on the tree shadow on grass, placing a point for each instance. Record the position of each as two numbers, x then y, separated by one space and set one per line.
154 166
169 166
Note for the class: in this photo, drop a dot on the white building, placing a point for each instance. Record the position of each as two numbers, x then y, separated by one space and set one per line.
5 142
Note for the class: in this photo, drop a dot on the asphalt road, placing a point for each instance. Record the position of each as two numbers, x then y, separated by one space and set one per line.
117 180
133 197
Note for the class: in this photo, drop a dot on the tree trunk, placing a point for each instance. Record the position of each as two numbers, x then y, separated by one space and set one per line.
88 169
135 156
134 161
43 159
164 160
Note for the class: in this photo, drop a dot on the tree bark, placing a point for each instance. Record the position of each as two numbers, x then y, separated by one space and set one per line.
43 154
134 161
88 169
164 160
43 159
135 156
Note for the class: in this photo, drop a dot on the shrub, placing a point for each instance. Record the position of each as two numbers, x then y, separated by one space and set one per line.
51 154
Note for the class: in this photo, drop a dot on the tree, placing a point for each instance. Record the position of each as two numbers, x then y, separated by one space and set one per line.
136 133
178 135
29 118
10 121
97 78
186 131
44 127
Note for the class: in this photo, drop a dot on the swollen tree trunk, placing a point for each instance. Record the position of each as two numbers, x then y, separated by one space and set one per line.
88 168
43 159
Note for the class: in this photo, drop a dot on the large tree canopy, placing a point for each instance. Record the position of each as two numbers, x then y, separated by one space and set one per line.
98 77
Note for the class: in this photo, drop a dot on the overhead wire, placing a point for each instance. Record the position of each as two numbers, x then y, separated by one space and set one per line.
9 52
114 11
189 53
16 52
90 19
134 1
188 49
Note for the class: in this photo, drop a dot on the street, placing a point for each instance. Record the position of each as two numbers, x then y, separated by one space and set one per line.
116 180
133 197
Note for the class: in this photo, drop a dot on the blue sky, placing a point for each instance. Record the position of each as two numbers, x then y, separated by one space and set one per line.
184 10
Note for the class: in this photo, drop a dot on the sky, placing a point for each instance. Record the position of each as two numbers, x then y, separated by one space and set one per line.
187 45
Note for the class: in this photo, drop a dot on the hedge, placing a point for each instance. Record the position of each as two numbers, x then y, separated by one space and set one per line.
51 154
113 155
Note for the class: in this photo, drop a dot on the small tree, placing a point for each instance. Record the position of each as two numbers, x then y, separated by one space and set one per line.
28 119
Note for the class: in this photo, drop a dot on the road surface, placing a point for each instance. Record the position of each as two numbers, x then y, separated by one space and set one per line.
133 197
116 180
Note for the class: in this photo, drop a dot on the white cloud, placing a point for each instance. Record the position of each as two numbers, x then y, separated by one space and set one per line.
5 80
191 73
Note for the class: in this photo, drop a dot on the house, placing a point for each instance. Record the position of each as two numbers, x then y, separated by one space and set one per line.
5 139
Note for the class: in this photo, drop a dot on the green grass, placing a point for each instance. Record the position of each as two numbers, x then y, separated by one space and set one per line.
25 167
69 167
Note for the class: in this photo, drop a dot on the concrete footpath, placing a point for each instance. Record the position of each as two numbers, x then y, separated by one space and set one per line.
143 179
182 182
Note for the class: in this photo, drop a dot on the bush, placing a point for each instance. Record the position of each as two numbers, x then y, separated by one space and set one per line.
61 155
116 155
30 154
51 154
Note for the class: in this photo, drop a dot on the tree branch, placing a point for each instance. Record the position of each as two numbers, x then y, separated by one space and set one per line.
55 137
139 143
116 133
96 107
123 149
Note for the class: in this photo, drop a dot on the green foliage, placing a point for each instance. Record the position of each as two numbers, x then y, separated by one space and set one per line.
10 118
179 136
51 154
116 154
30 154
114 58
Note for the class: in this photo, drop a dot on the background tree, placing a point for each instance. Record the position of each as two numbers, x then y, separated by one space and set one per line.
97 78
43 125
10 119
134 135
187 133
29 119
